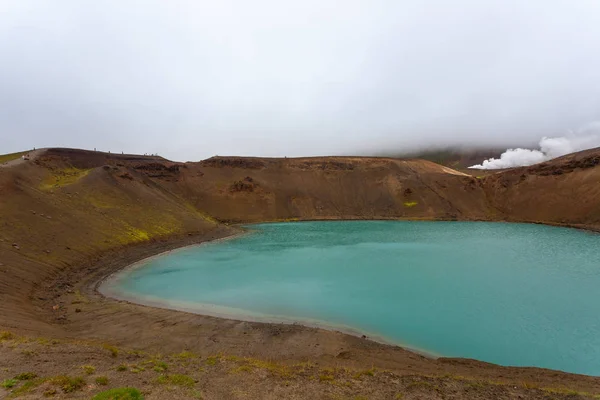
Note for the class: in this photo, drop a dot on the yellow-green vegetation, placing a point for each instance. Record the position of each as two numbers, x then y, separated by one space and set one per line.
89 369
63 177
185 355
9 383
272 367
176 380
135 235
27 387
410 204
160 366
119 394
212 360
138 235
366 372
241 368
25 376
6 335
102 380
326 378
122 367
67 383
79 298
136 369
47 342
114 352
12 156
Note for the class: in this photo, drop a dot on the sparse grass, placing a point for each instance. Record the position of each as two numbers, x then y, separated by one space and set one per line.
68 384
79 298
136 369
28 352
119 394
6 335
9 383
114 352
102 380
89 369
176 380
241 368
212 360
197 394
185 355
25 376
136 353
122 367
272 367
44 341
12 156
27 387
409 204
160 366
326 378
419 385
63 177
366 372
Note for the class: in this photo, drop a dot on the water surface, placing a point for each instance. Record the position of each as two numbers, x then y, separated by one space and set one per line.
512 294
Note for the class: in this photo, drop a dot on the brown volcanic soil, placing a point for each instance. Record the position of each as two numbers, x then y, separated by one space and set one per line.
564 191
71 217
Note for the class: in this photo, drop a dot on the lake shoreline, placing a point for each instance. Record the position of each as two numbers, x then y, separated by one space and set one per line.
109 288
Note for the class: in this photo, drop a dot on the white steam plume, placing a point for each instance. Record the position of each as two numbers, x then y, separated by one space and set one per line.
586 138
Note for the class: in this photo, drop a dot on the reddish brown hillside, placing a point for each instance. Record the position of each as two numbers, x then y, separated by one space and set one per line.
239 189
68 207
69 217
565 190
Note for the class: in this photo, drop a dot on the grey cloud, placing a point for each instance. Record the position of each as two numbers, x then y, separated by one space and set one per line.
190 79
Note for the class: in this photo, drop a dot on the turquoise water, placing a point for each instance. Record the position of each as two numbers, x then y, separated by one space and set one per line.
512 294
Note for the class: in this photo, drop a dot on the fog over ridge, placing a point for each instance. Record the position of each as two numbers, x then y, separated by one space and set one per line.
585 138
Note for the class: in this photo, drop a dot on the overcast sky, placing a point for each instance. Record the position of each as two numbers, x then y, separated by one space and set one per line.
191 79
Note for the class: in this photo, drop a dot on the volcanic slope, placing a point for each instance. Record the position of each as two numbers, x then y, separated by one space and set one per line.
71 217
236 189
563 191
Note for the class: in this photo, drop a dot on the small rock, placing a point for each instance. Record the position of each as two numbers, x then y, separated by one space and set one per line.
78 310
68 248
16 246
49 217
47 251
55 307
364 336
1 264
33 212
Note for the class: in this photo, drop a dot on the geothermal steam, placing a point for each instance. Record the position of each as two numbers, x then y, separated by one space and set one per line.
586 138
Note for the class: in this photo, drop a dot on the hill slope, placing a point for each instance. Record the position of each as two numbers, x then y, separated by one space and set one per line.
69 218
565 190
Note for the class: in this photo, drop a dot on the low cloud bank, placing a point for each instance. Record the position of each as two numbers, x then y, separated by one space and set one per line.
586 138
